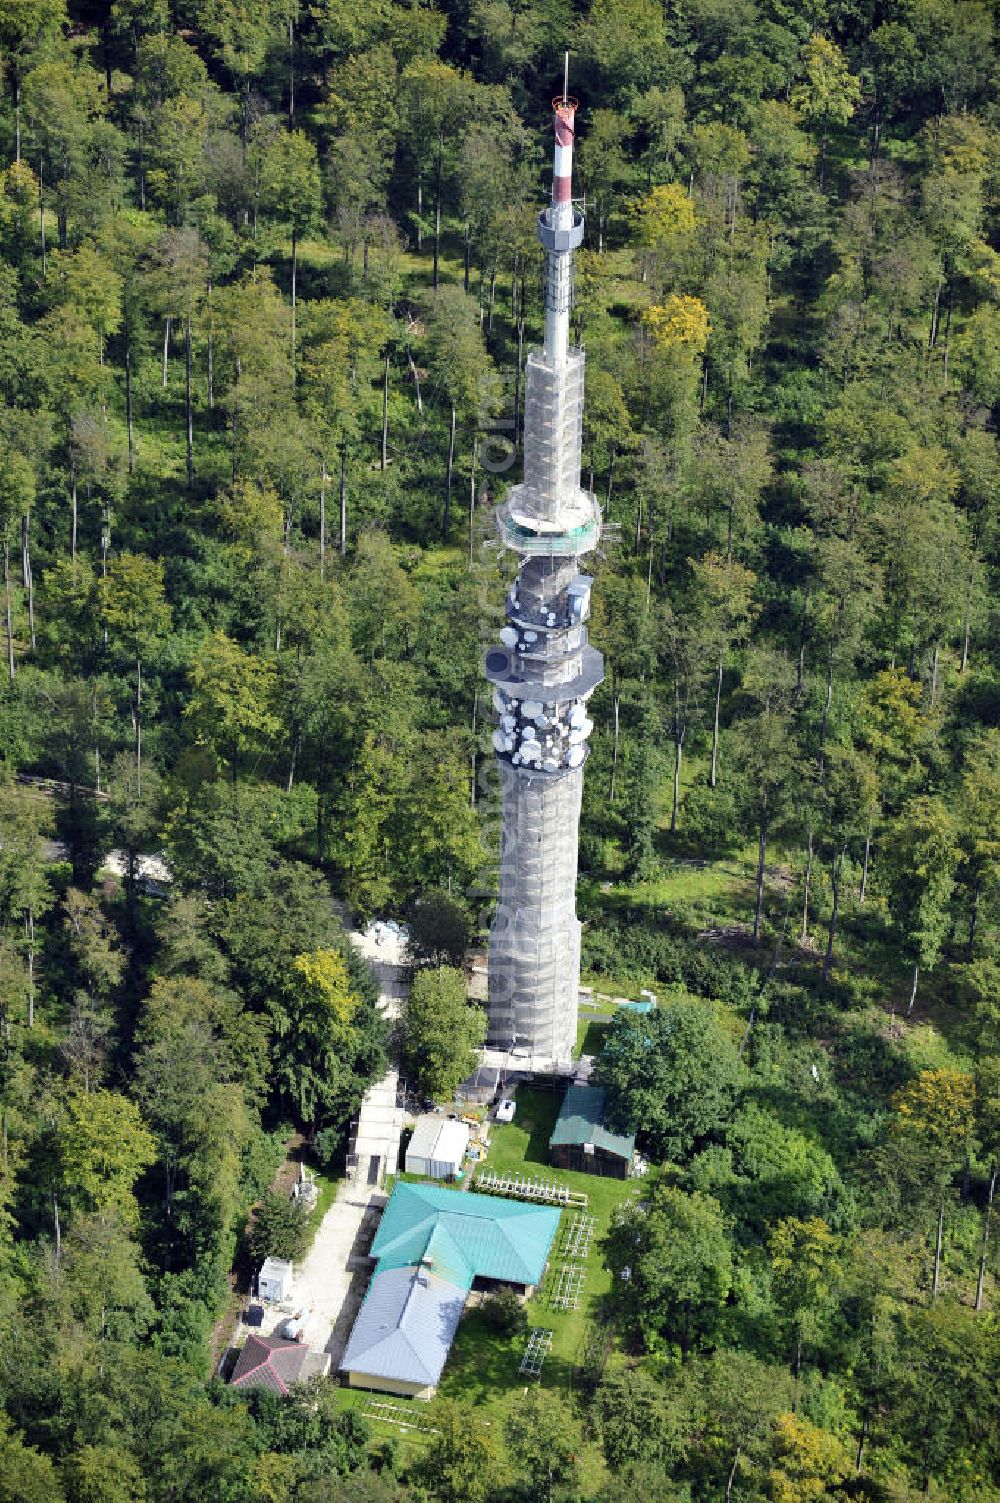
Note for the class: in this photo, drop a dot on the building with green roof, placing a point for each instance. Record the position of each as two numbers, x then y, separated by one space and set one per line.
431 1247
580 1141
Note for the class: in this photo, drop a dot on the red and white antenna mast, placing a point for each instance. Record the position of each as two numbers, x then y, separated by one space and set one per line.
559 229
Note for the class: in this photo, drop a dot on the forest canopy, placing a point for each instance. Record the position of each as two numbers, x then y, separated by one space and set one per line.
268 278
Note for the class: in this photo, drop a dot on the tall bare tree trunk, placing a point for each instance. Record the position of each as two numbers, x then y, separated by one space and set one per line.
934 673
980 1281
97 743
974 919
129 425
826 715
867 861
732 1474
861 1443
675 806
475 720
188 408
8 615
615 707
759 906
322 524
166 348
138 726
935 1282
517 379
416 383
385 413
836 877
472 495
451 466
29 944
26 575
713 776
437 212
295 270
73 508
210 356
291 69
41 218
343 502
913 989
804 932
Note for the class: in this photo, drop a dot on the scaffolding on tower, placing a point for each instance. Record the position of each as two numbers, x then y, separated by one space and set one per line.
544 669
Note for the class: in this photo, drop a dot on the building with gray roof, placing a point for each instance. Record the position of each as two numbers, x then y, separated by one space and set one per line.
432 1245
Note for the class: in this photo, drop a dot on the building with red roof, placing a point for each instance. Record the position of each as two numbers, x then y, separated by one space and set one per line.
271 1362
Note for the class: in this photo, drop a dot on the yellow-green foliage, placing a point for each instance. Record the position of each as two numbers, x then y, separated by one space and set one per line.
808 1462
664 215
937 1106
328 979
681 323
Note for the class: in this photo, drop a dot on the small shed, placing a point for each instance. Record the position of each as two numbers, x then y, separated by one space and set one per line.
437 1147
269 1362
276 1364
274 1283
580 1141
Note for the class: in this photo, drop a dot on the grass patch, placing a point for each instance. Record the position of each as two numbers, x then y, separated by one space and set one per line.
590 1036
327 1195
483 1367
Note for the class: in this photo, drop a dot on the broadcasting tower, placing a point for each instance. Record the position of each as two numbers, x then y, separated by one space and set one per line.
544 671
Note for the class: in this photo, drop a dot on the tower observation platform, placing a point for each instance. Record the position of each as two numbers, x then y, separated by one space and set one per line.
544 670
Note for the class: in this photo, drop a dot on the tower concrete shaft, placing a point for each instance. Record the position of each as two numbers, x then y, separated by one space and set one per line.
544 669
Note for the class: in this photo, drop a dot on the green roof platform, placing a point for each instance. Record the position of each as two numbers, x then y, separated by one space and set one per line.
465 1235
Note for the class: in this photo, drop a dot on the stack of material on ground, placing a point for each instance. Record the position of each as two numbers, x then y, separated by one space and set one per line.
274 1282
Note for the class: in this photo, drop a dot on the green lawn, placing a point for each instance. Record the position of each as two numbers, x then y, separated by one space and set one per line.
327 1186
590 1036
483 1368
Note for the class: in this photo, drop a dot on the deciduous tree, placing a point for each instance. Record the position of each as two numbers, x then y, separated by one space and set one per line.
441 1031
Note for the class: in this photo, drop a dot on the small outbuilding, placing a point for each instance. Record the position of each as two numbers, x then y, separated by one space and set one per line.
274 1282
437 1147
276 1363
580 1140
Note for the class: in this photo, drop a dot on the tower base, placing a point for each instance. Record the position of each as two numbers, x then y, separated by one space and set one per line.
534 949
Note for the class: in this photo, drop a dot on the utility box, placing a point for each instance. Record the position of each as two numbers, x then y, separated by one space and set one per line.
274 1282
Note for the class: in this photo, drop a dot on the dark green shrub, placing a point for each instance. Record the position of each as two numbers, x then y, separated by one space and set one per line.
279 1229
503 1312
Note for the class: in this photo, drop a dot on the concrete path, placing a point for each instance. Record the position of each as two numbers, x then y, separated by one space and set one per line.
334 1264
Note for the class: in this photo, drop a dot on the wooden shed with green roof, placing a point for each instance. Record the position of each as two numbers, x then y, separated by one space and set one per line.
580 1140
